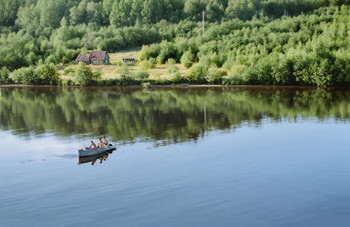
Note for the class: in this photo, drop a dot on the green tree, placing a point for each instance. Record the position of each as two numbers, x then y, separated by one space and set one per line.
8 12
4 75
79 14
193 9
84 76
51 12
214 11
242 9
47 73
187 59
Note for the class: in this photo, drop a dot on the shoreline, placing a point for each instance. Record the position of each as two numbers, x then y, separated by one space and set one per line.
176 86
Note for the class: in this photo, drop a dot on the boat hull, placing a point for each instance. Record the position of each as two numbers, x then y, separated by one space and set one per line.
97 151
91 158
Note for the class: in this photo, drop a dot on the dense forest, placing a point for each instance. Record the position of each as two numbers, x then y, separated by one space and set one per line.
301 42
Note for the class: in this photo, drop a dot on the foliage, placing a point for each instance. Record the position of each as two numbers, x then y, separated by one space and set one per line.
142 74
260 42
126 77
69 70
4 75
148 64
47 73
173 71
187 59
83 75
25 75
214 75
42 74
197 73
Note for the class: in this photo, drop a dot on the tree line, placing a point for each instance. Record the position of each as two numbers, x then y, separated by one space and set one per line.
243 37
31 14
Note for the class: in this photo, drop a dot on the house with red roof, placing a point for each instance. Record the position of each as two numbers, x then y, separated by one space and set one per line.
85 58
95 58
99 58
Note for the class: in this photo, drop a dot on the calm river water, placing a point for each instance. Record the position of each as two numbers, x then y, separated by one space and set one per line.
185 157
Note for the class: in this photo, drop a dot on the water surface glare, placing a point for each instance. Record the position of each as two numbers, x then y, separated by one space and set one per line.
185 157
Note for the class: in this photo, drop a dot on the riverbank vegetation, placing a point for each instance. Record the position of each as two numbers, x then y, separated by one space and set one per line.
271 42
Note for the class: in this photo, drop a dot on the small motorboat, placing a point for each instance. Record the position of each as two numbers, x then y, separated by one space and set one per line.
88 151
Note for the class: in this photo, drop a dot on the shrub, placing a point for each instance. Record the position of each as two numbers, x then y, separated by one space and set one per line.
197 73
84 76
126 77
152 63
171 61
214 75
47 73
25 76
68 70
148 52
67 82
233 80
167 50
187 59
141 74
174 72
4 75
51 59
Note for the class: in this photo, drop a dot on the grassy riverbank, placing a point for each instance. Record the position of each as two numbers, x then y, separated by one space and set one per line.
112 71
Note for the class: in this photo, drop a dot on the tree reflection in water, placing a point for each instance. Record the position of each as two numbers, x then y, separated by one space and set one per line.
162 115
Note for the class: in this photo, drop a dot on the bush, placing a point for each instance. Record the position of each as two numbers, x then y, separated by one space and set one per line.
25 76
126 77
67 82
214 76
148 52
47 73
197 73
171 61
233 80
174 72
141 74
152 63
68 70
84 76
167 50
148 64
187 59
51 59
4 75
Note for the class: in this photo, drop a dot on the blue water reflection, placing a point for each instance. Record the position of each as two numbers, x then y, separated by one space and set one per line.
290 172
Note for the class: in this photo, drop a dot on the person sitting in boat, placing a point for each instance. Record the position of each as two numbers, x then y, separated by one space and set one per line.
92 145
105 141
100 143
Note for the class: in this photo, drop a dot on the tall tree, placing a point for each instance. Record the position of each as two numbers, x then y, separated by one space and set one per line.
78 14
214 11
243 9
51 12
8 12
193 9
28 18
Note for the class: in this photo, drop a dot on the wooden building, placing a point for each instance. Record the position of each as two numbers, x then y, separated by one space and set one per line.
95 58
85 58
99 58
